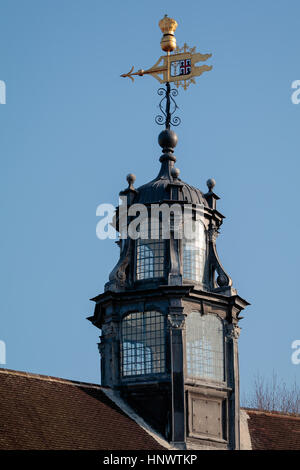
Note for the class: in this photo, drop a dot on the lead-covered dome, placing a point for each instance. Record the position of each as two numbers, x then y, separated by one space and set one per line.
158 190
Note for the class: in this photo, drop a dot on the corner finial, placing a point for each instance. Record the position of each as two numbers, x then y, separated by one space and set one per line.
211 183
130 180
211 197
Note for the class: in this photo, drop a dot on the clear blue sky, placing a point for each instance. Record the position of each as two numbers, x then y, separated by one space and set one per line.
72 129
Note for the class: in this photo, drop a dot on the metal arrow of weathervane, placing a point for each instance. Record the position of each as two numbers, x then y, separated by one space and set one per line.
178 66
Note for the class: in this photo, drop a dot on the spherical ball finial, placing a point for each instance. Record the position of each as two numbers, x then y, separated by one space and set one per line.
167 139
211 183
175 172
130 179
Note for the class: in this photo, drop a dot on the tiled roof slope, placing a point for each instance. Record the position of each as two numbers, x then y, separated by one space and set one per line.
40 412
273 430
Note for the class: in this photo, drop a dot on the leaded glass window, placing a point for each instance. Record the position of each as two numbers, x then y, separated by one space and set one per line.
194 253
143 343
150 254
204 346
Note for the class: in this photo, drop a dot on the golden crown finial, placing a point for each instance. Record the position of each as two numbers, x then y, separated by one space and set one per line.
168 27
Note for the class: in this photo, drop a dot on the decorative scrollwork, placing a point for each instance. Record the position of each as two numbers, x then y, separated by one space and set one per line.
160 120
170 108
176 320
232 331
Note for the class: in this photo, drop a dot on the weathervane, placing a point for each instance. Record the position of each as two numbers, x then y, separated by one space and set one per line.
178 66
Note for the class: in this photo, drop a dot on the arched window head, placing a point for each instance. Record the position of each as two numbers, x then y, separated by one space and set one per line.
150 254
143 344
194 248
204 346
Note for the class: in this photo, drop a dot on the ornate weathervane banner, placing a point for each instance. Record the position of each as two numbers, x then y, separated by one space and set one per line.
179 65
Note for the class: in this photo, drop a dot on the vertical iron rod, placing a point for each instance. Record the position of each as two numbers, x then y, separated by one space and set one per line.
168 115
